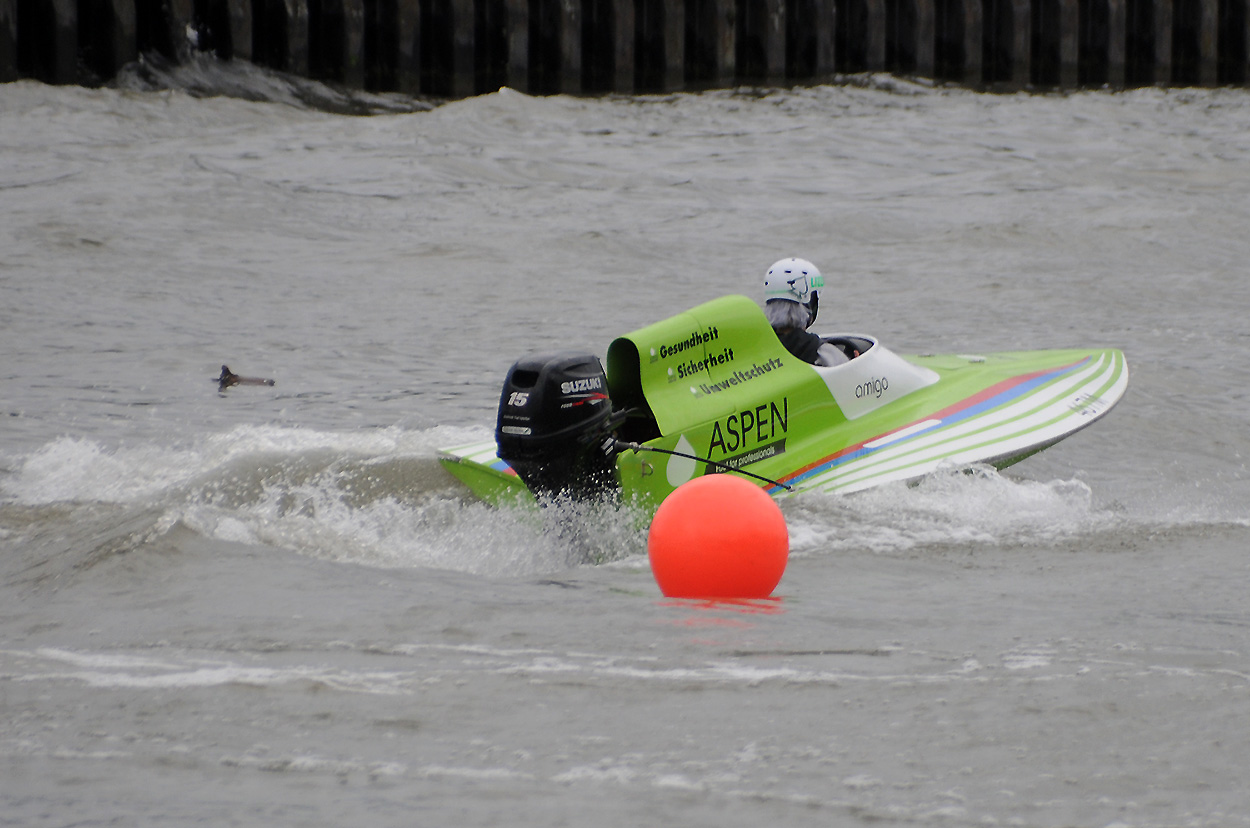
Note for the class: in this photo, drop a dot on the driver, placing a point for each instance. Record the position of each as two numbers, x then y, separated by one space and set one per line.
791 300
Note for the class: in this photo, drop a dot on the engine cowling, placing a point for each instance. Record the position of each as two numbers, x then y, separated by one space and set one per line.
554 414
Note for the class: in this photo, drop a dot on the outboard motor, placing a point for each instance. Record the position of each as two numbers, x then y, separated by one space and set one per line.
554 415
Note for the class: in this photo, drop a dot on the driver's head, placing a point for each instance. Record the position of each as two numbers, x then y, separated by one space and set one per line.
794 282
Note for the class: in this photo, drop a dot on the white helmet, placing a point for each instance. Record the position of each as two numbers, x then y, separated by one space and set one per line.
795 280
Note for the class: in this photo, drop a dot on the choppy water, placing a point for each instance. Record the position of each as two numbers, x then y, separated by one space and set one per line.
271 606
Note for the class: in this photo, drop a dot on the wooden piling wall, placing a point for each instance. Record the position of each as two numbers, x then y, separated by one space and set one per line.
457 48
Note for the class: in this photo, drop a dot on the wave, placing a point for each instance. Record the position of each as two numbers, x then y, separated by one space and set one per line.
380 498
203 75
377 498
964 507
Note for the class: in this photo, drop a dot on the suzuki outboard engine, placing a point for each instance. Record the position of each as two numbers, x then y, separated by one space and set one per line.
554 415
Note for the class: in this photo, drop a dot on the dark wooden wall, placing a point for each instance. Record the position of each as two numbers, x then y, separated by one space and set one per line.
456 48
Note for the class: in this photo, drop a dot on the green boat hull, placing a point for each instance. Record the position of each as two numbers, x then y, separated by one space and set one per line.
714 383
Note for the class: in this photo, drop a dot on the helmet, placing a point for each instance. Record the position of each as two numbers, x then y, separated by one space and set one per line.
795 280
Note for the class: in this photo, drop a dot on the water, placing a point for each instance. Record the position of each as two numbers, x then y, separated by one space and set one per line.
271 606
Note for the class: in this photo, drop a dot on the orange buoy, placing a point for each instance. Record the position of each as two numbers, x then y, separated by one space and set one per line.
718 536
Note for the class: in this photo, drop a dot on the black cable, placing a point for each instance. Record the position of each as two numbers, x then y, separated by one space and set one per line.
621 445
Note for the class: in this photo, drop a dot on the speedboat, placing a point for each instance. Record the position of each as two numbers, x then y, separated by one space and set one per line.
713 391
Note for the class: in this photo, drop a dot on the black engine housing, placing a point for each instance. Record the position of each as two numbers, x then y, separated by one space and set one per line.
554 415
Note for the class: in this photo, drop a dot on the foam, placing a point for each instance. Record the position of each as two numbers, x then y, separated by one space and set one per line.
376 498
957 507
379 498
110 671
